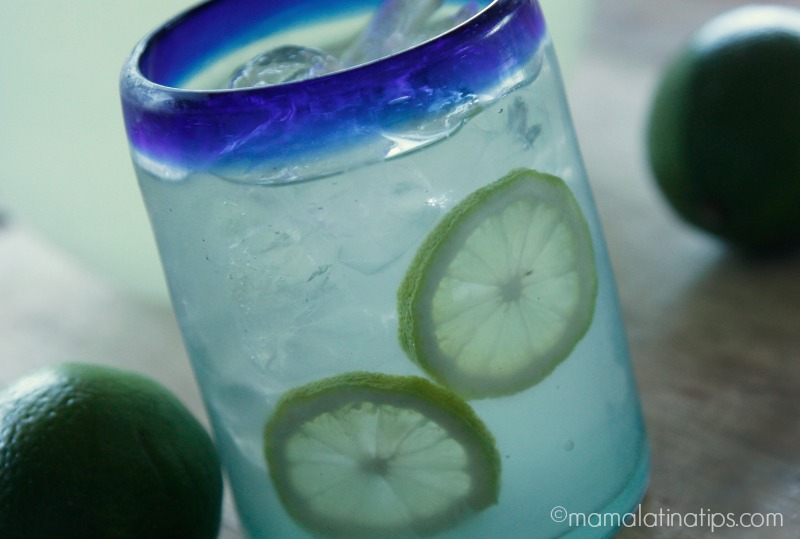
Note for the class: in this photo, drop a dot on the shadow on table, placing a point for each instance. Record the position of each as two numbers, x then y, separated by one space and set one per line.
721 391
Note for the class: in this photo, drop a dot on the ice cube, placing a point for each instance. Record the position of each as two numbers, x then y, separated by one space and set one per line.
436 27
446 112
378 233
388 29
400 24
395 26
280 65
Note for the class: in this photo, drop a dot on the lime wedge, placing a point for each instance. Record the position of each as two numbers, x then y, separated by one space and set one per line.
502 289
378 455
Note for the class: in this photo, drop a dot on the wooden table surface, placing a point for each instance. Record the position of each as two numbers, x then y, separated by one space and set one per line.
714 337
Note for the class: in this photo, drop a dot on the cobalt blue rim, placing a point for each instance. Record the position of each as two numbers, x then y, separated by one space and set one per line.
217 129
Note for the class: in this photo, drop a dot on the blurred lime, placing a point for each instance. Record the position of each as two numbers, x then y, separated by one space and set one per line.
95 452
724 130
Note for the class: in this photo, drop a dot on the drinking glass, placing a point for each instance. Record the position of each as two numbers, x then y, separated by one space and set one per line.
387 269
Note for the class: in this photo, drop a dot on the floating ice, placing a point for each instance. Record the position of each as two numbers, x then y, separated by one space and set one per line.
395 26
400 24
284 64
519 123
377 234
443 115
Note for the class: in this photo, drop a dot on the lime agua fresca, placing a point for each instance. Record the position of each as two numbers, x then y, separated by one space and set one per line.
388 270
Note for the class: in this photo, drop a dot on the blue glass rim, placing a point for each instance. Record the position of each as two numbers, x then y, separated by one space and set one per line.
191 129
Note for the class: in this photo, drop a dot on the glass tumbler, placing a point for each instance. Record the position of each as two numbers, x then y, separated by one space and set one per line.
387 267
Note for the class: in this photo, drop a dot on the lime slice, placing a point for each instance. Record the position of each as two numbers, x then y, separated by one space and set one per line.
377 455
503 288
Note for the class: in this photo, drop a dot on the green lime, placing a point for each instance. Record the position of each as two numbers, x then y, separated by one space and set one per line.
502 289
378 455
91 452
724 128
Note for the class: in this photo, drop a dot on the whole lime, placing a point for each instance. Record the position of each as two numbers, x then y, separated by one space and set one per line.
724 128
96 452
